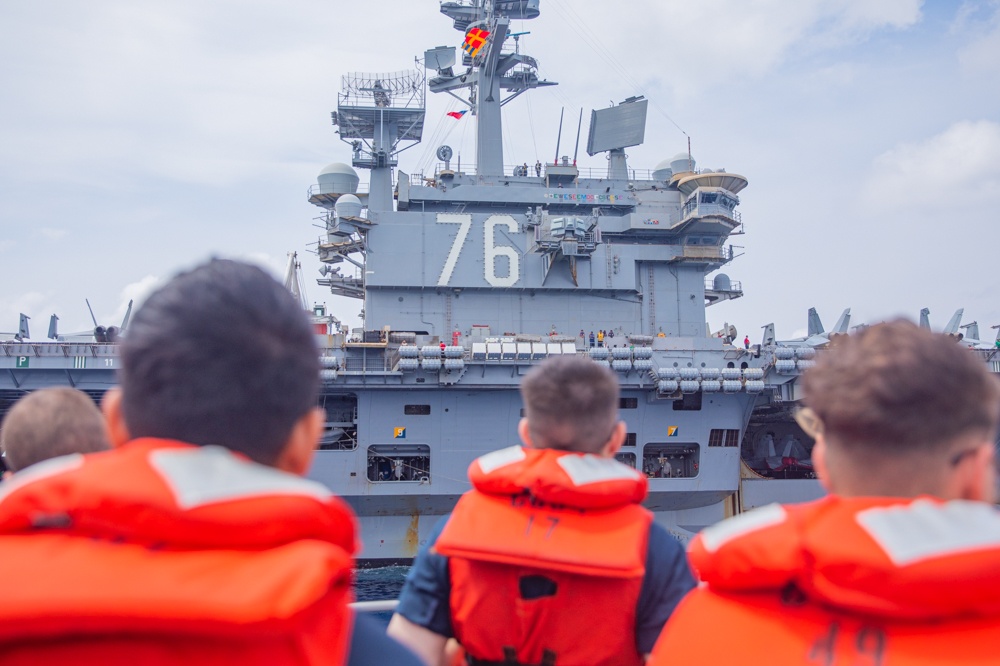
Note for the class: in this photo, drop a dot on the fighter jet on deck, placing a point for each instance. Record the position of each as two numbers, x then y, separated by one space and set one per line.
816 335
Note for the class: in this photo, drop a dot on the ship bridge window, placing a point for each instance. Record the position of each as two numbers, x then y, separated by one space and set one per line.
628 403
626 459
340 431
728 202
629 439
395 463
417 410
670 461
702 240
709 197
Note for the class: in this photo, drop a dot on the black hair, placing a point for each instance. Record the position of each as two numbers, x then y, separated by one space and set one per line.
222 354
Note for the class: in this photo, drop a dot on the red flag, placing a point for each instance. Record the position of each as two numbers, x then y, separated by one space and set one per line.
457 115
475 39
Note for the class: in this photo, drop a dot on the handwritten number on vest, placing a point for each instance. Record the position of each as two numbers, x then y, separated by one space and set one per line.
871 644
551 520
868 647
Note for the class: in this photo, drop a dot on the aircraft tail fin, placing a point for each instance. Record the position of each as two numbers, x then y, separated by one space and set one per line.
769 336
22 328
925 318
53 327
844 323
92 317
128 313
815 325
971 330
954 322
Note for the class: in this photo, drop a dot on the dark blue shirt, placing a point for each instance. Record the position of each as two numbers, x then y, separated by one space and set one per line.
425 596
371 647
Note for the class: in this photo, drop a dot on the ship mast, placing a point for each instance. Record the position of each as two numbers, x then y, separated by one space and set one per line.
380 115
491 71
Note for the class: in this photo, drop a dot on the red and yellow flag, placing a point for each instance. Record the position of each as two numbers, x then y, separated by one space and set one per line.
475 39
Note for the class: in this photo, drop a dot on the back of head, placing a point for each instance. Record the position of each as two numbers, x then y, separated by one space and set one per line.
570 403
896 392
52 422
223 355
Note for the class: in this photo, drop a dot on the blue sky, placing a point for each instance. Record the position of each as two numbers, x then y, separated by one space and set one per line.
140 138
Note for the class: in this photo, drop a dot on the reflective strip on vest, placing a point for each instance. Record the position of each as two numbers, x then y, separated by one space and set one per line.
210 474
591 469
925 530
719 534
497 459
40 470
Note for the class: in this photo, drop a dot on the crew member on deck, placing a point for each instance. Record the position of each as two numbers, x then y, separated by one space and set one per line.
550 559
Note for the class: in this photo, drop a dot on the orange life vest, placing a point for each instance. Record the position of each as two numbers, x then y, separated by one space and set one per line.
546 559
842 581
165 553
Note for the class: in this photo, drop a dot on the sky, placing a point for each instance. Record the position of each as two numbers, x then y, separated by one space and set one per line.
141 138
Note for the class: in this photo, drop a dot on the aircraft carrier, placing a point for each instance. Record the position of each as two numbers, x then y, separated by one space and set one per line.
470 274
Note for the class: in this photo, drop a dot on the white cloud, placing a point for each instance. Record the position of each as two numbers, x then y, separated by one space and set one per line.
138 292
981 55
697 45
953 169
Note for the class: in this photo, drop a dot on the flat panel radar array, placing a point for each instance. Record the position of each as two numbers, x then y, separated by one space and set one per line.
617 127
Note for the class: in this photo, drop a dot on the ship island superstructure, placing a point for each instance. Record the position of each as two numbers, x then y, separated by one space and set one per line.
471 275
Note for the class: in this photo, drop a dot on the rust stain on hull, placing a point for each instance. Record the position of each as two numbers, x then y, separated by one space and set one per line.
412 540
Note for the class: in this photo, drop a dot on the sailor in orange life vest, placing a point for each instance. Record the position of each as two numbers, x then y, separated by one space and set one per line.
550 559
195 540
899 564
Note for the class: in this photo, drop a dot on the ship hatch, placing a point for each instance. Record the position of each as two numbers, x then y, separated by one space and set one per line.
671 461
340 431
394 463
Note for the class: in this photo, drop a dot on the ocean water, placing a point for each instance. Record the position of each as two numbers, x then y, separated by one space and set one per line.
378 584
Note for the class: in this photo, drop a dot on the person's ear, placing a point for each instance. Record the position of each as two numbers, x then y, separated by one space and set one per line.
300 447
820 463
524 432
978 479
111 407
614 442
